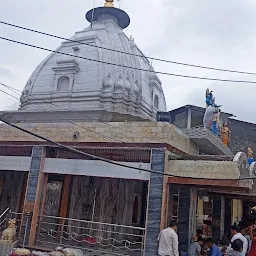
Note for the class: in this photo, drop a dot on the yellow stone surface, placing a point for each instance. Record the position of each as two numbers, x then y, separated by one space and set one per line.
204 169
130 132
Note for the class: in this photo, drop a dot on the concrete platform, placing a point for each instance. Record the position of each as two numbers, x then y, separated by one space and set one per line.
6 248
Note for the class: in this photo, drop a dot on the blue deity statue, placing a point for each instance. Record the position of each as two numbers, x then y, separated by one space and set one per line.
210 101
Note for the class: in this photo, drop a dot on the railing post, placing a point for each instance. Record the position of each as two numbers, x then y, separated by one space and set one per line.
26 231
61 234
142 243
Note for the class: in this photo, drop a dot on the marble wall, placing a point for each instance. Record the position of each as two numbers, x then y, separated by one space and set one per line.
155 203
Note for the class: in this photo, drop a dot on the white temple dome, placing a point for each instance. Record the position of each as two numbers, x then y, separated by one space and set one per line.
80 84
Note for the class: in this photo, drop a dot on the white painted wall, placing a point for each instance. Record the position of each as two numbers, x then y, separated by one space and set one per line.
95 168
15 163
77 167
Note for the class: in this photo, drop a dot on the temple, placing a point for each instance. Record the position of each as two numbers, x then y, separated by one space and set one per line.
107 101
128 89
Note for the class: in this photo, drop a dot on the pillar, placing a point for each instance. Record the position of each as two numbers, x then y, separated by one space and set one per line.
228 217
154 211
189 118
222 224
33 195
216 218
64 201
200 207
193 212
237 210
184 218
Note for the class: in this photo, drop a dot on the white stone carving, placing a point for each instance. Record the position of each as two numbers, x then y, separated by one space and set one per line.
119 85
108 83
243 165
92 85
63 83
65 73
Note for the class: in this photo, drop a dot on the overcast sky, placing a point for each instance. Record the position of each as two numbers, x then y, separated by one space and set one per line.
212 33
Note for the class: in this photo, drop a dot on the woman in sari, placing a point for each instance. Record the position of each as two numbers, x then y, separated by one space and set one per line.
252 230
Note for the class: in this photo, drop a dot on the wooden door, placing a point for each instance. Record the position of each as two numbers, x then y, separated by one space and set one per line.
52 205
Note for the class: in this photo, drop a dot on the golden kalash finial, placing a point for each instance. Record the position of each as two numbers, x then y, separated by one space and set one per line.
109 3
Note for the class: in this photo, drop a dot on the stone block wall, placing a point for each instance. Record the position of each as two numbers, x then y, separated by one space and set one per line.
130 132
204 169
243 135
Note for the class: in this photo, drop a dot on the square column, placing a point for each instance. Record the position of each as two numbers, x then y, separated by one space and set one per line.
216 219
184 218
33 195
155 198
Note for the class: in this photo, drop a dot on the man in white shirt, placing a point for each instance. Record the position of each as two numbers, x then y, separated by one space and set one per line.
235 231
168 241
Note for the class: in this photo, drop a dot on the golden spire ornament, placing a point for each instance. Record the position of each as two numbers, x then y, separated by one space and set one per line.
109 3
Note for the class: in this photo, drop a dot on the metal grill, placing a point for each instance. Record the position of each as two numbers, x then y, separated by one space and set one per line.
93 238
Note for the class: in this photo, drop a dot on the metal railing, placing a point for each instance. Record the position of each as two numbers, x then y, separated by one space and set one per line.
96 237
4 220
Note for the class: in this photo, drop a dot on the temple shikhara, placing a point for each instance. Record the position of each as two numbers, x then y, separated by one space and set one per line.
99 94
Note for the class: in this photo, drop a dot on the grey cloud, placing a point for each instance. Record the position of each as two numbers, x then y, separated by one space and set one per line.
217 21
6 72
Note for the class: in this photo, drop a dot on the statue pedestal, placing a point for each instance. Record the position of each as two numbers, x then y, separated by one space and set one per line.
6 248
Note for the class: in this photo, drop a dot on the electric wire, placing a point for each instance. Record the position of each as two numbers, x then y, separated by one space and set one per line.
131 54
76 113
9 94
82 115
110 161
68 121
129 67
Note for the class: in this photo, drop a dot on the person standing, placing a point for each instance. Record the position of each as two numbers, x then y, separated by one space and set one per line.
246 233
235 231
168 241
213 249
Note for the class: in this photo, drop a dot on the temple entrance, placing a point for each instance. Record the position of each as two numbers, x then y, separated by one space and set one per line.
93 213
52 202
